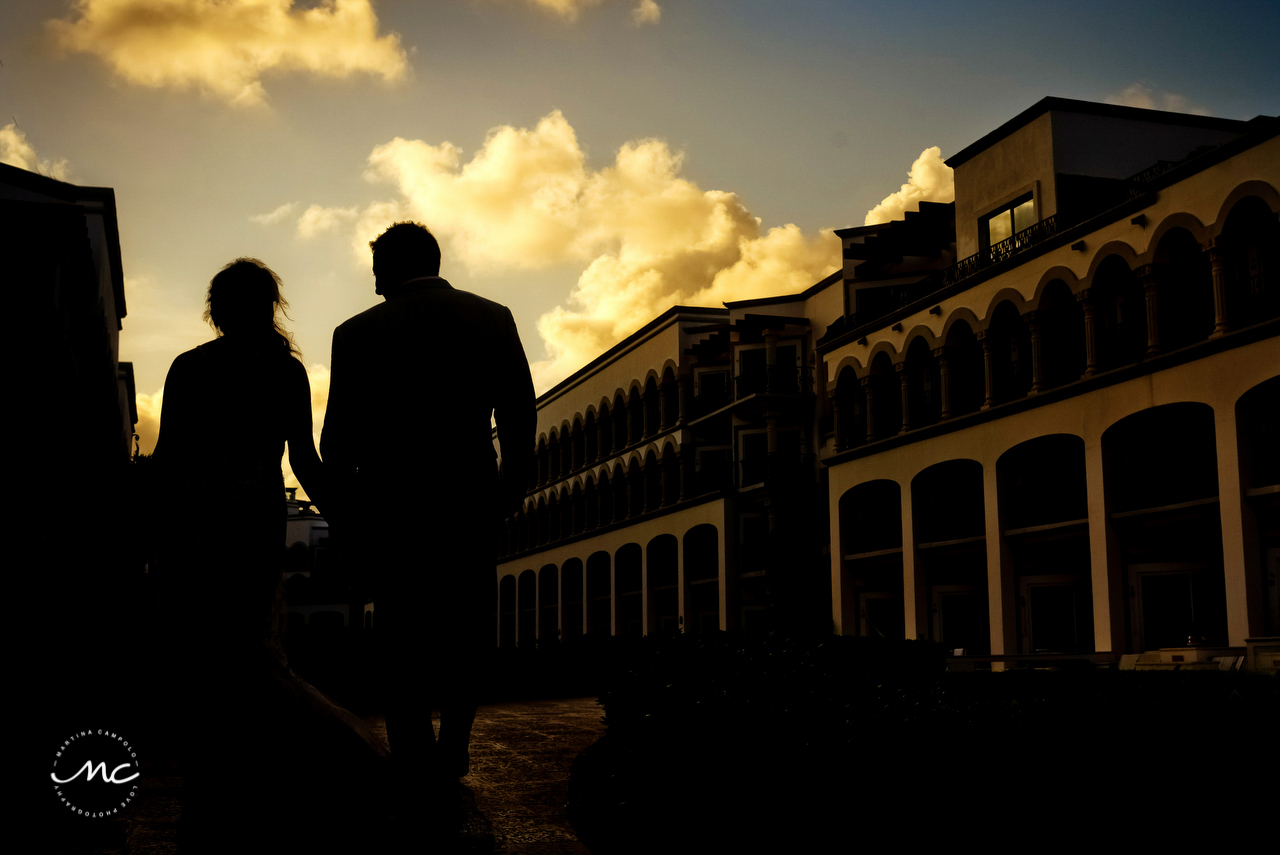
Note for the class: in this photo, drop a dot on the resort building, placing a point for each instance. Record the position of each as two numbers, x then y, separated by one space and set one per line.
1039 421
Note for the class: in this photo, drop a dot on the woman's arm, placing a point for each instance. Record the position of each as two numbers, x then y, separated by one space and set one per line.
302 449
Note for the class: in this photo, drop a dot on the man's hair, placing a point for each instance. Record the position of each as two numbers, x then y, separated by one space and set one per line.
407 249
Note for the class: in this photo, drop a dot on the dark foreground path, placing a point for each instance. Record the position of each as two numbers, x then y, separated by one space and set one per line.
520 758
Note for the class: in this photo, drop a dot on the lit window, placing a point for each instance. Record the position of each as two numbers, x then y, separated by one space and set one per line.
1007 221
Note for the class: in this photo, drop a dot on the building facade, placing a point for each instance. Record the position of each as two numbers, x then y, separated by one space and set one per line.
1038 421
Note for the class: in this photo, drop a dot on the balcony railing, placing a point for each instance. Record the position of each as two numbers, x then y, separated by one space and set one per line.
1002 251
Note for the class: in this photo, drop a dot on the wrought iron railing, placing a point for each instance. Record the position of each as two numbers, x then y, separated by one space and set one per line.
1002 251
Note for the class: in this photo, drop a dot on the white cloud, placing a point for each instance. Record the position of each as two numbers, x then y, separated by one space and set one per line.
15 150
1142 95
929 180
317 220
272 217
646 12
223 47
644 237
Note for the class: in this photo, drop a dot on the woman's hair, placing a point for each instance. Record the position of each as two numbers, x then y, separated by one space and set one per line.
244 297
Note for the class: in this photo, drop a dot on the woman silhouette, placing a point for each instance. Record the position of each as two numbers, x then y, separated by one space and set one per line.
230 407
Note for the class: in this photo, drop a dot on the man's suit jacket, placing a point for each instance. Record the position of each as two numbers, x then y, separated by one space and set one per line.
413 382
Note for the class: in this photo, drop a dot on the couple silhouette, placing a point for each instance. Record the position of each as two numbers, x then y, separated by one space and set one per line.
410 485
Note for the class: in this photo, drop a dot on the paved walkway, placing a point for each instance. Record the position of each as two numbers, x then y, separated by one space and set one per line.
520 758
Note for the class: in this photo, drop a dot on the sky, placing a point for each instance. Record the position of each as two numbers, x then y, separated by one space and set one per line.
588 163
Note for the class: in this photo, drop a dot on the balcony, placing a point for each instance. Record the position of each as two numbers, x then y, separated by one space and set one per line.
1002 251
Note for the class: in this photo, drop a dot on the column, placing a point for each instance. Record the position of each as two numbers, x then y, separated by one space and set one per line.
604 443
988 371
915 587
1218 263
1037 352
682 387
1150 288
662 407
870 389
844 619
770 359
1241 558
687 463
613 593
646 613
837 424
1085 299
1106 569
944 379
904 383
682 587
1002 596
727 584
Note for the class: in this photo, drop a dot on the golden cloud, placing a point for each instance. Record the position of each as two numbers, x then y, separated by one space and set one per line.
222 47
644 12
317 220
16 151
644 237
929 180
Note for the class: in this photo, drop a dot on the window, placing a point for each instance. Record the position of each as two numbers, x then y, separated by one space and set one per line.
1008 220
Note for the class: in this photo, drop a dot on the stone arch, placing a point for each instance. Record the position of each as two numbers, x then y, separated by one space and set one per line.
599 594
507 611
850 407
549 603
620 421
850 362
1059 324
1120 312
1260 189
1180 273
652 405
571 599
1004 295
527 607
960 314
883 346
924 384
1116 248
662 567
621 494
1057 273
919 331
1248 250
652 481
1009 342
701 546
1176 220
884 398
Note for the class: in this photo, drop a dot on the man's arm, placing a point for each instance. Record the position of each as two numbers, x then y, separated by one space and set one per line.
516 413
338 441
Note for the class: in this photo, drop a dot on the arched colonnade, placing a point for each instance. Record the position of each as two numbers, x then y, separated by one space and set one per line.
1194 283
1147 530
643 582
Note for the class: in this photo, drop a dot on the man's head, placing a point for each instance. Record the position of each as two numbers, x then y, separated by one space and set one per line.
404 251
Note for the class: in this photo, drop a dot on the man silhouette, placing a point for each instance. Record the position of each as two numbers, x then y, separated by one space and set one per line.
408 441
